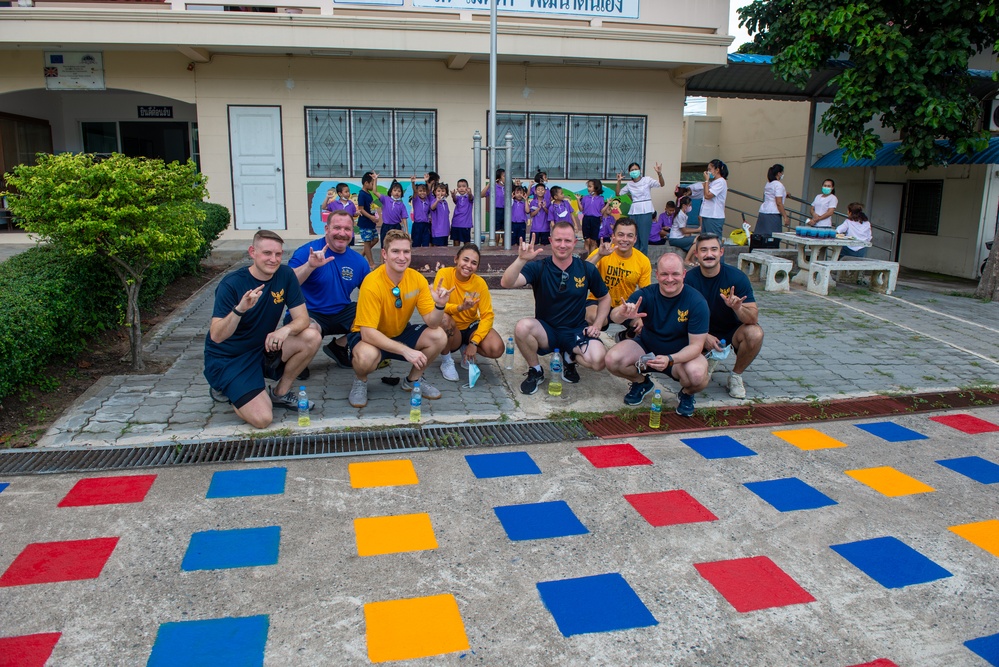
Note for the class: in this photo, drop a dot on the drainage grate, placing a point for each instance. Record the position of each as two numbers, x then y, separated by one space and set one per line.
92 459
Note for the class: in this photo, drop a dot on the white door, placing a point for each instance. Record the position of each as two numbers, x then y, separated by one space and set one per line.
257 160
886 212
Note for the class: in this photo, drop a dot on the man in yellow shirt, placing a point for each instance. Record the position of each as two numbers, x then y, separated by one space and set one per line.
623 268
385 304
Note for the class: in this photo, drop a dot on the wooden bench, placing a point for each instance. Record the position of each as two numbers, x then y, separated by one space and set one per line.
884 274
773 271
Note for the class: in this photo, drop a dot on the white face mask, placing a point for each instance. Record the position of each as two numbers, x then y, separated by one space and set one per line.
780 177
396 198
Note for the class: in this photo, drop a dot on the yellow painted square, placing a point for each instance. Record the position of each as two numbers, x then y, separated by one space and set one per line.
984 534
382 473
414 628
888 481
394 534
808 439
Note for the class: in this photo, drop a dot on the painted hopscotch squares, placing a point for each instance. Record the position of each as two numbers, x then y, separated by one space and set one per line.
414 628
889 482
718 447
380 535
399 472
790 494
505 464
669 508
108 491
601 603
216 641
890 562
979 469
966 424
986 648
808 439
538 521
751 584
241 483
51 562
891 432
880 662
983 534
225 549
3 485
28 650
614 456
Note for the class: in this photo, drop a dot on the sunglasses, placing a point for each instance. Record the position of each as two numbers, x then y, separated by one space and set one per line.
397 293
565 279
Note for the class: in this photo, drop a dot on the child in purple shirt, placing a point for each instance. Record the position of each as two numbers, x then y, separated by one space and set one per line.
497 193
518 216
440 216
539 215
560 210
343 203
461 221
393 209
421 215
662 224
590 206
607 220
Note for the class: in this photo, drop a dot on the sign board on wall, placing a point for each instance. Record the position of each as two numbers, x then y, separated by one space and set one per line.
155 112
68 70
620 9
393 3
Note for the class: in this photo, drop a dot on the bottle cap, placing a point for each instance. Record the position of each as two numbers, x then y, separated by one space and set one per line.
302 388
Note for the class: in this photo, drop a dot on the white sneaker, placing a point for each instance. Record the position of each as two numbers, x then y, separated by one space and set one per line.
712 365
735 387
447 368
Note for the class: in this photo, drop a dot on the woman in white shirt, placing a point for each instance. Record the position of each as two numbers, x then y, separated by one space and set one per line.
824 205
772 218
857 226
715 192
681 236
642 210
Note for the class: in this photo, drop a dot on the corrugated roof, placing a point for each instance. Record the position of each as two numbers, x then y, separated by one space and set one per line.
888 156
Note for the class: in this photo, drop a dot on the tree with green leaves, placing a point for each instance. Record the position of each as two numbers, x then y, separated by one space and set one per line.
910 72
135 212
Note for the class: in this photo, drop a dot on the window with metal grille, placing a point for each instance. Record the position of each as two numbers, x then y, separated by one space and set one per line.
346 143
923 202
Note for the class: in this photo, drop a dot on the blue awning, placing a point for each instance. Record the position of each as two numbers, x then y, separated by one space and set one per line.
888 156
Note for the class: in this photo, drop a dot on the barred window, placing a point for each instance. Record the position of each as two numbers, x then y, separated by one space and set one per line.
923 203
346 143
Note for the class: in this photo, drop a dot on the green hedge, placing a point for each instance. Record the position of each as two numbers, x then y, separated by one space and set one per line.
52 302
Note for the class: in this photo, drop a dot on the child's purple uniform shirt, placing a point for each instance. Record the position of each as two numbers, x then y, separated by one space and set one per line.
606 226
393 212
499 196
539 220
462 218
592 205
440 219
518 211
664 221
560 211
421 209
338 205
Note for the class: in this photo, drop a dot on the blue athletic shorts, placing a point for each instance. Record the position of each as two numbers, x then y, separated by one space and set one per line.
242 378
409 337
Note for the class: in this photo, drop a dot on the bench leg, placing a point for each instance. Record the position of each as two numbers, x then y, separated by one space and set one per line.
818 280
879 281
778 279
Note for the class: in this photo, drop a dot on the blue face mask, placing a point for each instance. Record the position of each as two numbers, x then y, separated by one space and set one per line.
826 191
635 173
711 176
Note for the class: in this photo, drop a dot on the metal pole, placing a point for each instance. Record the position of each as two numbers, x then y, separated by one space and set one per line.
492 119
477 187
508 203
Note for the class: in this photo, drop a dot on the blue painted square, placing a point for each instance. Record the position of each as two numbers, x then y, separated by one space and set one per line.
891 431
718 447
223 549
218 642
600 603
790 494
3 486
987 648
255 482
975 467
890 562
502 465
538 521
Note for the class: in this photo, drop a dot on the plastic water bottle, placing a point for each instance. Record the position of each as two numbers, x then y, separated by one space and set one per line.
720 354
656 413
555 382
509 353
416 403
303 408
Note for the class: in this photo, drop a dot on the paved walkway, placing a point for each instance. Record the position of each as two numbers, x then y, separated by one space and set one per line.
855 343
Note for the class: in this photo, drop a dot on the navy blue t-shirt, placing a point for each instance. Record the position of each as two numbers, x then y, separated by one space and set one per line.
670 320
562 304
327 289
364 200
714 290
251 332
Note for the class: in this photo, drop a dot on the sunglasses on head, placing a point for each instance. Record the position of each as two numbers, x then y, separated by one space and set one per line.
565 279
397 293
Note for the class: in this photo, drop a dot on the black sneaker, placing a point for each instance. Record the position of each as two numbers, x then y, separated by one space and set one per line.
217 395
304 375
289 401
638 390
341 355
534 378
569 373
685 404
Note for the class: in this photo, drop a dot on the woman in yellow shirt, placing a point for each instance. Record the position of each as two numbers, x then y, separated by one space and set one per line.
468 316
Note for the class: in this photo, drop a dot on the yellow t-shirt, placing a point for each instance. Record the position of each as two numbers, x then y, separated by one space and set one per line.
624 275
376 303
448 278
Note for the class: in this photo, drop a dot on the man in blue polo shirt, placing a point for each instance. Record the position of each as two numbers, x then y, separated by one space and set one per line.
329 271
674 324
561 285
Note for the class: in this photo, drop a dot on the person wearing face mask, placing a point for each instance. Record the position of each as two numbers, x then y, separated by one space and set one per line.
715 192
773 217
640 189
824 205
681 234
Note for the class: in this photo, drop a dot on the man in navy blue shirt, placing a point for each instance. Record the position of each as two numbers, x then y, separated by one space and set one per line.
735 317
243 347
329 271
674 324
561 285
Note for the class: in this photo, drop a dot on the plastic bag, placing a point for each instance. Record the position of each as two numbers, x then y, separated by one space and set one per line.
738 237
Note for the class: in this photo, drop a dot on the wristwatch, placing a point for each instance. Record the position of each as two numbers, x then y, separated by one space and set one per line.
239 313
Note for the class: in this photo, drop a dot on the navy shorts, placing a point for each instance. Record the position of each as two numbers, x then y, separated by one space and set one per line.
466 334
542 238
564 339
241 378
461 234
332 325
421 234
500 215
385 230
518 230
591 227
647 349
409 337
439 241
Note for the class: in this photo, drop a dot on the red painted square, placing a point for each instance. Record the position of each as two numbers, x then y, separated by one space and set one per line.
667 508
966 423
27 650
47 562
614 456
108 490
753 583
880 662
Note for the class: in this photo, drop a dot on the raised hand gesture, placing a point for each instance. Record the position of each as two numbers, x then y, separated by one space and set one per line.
606 248
318 258
440 295
250 298
527 250
630 310
734 301
470 301
620 177
659 167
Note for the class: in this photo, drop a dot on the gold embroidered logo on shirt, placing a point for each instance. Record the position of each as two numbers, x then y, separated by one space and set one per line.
580 282
278 296
681 315
725 292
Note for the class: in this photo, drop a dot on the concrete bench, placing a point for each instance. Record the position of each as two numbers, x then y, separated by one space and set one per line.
773 271
884 274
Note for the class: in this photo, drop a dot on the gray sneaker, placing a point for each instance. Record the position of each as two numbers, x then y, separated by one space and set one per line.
358 394
217 395
289 401
428 390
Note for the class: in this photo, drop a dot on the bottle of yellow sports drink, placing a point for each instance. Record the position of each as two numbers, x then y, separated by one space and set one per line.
303 408
555 381
416 403
656 413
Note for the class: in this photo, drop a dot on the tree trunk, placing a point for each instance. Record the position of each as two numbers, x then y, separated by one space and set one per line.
988 286
134 324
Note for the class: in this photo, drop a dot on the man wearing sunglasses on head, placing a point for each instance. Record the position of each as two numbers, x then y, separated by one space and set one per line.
385 304
561 285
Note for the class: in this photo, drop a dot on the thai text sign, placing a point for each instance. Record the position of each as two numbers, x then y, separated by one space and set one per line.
626 9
